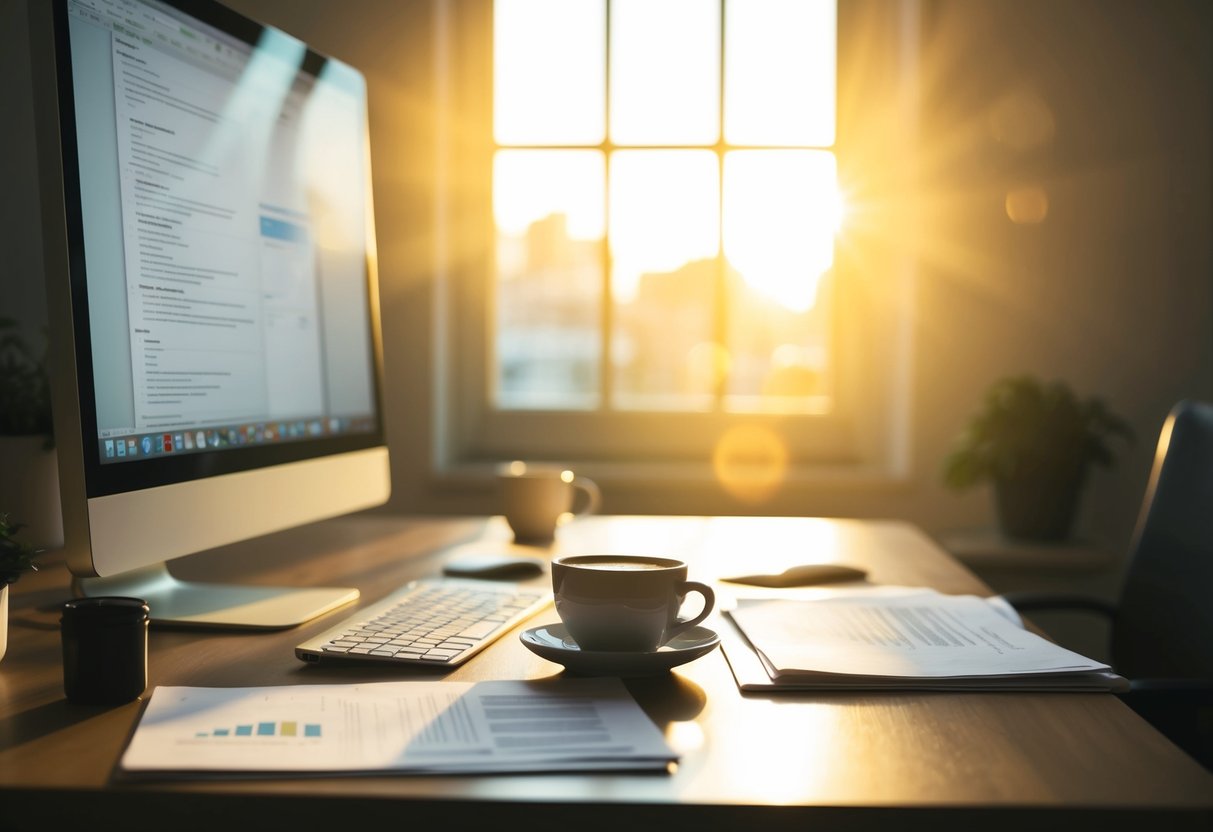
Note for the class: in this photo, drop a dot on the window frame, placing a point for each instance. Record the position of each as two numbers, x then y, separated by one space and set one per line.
863 438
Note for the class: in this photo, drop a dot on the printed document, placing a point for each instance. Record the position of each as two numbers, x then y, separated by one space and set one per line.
913 640
420 727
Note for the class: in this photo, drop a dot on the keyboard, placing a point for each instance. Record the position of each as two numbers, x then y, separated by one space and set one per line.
441 621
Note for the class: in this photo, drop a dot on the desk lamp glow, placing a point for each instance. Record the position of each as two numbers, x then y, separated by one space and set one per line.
210 269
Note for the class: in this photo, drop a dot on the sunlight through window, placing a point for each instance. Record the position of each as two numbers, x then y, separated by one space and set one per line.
779 72
548 71
664 214
781 211
666 204
665 72
548 206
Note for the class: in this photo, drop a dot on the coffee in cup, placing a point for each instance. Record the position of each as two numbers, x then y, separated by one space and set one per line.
536 498
624 602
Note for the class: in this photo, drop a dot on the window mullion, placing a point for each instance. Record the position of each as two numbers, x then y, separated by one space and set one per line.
720 317
607 317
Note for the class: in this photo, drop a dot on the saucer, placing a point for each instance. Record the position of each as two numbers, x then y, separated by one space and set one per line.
553 643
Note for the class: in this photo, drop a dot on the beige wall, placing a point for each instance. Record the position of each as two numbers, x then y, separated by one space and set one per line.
1112 292
21 294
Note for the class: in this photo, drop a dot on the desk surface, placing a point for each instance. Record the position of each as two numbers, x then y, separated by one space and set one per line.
998 760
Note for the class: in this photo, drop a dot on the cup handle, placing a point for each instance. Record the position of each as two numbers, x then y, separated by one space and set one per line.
709 601
593 495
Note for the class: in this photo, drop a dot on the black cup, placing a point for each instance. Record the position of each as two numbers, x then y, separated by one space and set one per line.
104 650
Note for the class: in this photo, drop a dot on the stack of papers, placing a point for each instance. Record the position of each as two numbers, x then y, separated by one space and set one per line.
414 727
907 639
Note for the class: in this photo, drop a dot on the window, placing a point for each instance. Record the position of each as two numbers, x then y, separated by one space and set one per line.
661 275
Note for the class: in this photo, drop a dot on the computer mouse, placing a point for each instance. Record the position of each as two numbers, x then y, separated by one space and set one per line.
494 566
807 574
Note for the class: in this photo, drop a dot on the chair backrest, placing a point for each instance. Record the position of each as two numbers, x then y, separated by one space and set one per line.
1164 623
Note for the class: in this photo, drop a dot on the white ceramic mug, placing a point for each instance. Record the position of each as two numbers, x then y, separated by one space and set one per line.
536 498
624 602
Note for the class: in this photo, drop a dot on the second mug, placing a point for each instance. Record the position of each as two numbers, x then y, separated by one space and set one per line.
537 497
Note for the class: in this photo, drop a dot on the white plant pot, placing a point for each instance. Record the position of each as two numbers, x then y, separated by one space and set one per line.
29 490
3 619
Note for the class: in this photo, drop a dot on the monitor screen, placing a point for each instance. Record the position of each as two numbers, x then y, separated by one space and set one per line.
211 285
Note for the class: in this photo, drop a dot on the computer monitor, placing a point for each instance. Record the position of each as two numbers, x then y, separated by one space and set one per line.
211 286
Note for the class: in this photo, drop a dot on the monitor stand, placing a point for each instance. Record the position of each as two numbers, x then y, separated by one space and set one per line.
230 606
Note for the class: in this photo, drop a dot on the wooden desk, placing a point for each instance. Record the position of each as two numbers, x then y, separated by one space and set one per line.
803 761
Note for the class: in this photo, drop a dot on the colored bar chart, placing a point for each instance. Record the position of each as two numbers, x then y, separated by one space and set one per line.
283 728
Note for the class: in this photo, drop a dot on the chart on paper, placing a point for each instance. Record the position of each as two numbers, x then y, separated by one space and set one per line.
285 728
397 726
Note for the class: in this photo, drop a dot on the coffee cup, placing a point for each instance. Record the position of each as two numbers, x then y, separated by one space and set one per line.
624 602
536 498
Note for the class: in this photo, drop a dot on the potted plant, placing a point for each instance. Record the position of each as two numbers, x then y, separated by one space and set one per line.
16 558
1035 441
29 477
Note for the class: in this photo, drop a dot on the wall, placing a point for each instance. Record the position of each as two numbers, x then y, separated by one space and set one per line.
1102 105
21 294
1105 106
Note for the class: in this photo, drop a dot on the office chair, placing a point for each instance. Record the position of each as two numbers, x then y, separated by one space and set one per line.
1161 626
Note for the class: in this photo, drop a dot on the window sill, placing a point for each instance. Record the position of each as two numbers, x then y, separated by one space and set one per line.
613 476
